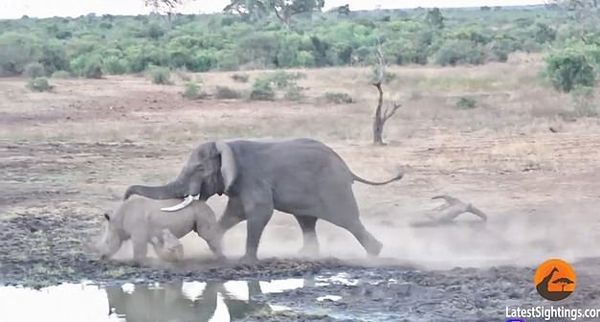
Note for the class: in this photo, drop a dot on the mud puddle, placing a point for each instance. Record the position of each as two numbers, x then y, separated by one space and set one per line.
173 301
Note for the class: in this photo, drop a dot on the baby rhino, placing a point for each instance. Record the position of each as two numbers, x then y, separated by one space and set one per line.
142 221
169 248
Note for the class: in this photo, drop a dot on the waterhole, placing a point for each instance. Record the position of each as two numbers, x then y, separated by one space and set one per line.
214 301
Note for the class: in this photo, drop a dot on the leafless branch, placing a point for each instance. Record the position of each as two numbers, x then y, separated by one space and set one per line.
381 61
389 112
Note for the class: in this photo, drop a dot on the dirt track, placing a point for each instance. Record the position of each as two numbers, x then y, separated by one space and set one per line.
65 157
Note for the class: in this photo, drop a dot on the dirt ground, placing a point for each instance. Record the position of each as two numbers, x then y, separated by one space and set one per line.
521 155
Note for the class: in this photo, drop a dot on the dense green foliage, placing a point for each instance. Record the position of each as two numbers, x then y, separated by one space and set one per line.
93 46
570 68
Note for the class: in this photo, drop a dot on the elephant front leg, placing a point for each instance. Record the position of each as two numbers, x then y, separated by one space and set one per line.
310 245
233 215
258 215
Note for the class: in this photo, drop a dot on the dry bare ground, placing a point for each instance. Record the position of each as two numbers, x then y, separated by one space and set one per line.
67 156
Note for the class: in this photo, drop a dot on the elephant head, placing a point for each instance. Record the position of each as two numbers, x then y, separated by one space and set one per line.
211 169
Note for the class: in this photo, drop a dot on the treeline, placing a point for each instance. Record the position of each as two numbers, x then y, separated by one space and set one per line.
91 46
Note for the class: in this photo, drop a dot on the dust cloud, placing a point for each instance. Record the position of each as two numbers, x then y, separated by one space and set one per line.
521 238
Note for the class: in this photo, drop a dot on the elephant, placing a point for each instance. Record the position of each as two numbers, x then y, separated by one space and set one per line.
142 221
299 176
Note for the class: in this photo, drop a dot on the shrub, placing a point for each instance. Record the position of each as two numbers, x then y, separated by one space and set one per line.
16 50
39 84
240 78
294 93
54 57
61 74
262 91
500 54
34 70
87 66
160 75
279 78
456 52
192 91
114 66
567 69
584 101
466 103
338 98
224 92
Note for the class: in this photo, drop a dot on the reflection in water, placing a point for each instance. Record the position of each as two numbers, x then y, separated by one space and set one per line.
193 301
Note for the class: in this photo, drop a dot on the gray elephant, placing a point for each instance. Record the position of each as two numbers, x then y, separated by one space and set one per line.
302 177
142 221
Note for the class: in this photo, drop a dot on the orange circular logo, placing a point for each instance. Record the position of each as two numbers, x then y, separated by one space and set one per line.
555 280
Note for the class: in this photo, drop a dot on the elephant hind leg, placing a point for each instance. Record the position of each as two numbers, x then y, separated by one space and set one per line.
340 209
365 238
310 245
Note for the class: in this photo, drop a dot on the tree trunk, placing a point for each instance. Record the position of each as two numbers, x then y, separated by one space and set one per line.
378 121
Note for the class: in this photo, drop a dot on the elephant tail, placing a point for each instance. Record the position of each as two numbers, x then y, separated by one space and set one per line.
373 183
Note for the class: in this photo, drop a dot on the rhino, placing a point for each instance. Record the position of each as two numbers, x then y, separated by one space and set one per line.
169 248
142 220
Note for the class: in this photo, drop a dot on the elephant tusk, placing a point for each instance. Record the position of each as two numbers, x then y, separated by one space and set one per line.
186 202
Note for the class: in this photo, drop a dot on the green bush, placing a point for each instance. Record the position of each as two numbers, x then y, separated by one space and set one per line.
61 74
224 92
279 78
294 93
54 57
466 103
262 91
569 68
458 52
192 91
39 84
500 55
240 78
160 75
338 98
114 66
34 70
87 66
17 49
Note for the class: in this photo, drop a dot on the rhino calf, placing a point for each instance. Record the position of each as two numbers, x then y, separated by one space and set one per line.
169 248
142 221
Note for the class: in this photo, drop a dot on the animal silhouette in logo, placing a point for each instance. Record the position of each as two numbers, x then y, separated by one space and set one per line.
555 280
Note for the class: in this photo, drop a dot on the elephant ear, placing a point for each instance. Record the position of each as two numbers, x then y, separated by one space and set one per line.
228 166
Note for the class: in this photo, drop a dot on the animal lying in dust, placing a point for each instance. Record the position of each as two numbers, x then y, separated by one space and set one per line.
142 221
452 208
169 248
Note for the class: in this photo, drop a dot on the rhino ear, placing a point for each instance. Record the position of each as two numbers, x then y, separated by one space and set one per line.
228 166
106 216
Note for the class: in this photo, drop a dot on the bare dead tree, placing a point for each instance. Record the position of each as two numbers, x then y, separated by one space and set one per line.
166 7
381 114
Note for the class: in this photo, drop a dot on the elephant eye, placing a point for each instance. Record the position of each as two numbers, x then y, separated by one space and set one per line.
107 217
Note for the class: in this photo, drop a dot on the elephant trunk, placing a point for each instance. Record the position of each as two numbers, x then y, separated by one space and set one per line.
171 190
